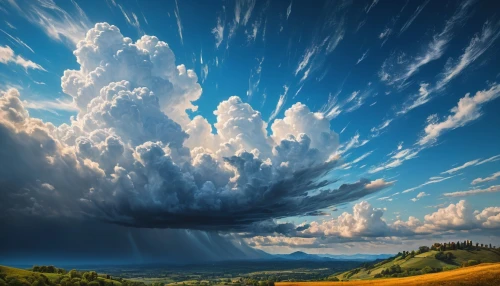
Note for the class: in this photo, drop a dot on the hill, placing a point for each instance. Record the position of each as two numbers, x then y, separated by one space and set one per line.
421 263
21 277
481 275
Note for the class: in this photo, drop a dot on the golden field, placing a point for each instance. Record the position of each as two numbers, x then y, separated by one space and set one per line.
483 274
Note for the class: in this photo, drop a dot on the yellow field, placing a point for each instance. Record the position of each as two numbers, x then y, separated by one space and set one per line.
483 274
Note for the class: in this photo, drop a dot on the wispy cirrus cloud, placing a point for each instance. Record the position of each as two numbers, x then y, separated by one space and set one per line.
492 189
395 72
493 177
475 162
18 41
413 17
432 180
477 46
57 23
178 20
467 110
279 104
7 56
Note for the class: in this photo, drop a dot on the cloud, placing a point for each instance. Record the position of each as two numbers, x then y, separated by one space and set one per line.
366 224
376 130
328 33
395 70
491 189
18 41
363 57
218 32
487 179
289 10
132 155
413 17
254 80
279 104
475 162
397 158
178 19
57 23
369 7
379 184
7 55
132 19
419 196
432 180
50 105
467 110
477 46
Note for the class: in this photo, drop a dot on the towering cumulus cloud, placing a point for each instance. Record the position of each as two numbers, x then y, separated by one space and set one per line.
132 156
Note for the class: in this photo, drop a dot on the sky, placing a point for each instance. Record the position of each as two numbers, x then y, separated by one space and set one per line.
164 131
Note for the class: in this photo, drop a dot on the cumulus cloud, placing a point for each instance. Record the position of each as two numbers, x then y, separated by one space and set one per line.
7 56
366 223
132 156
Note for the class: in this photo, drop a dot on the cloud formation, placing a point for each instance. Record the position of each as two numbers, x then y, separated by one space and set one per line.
366 223
7 56
132 156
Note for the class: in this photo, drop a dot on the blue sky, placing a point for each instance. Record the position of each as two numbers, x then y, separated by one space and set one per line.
409 87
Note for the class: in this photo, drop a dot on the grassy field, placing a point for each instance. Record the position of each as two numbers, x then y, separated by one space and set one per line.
23 275
484 274
423 260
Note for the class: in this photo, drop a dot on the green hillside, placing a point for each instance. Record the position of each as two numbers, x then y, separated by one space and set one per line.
52 276
417 263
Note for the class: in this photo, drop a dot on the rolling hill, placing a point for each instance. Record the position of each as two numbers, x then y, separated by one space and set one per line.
480 275
16 276
422 263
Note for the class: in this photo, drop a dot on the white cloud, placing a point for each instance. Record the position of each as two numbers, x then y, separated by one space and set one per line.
413 17
18 41
7 55
487 179
477 46
395 71
419 196
432 180
365 54
369 7
178 19
218 32
279 104
132 147
491 189
379 184
475 162
467 110
51 105
55 21
289 10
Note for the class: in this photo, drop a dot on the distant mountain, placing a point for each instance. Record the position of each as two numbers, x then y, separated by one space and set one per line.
300 255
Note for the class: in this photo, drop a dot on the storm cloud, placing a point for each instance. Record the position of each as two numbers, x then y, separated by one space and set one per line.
133 157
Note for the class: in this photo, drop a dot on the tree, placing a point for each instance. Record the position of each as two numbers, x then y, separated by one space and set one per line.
423 249
74 274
